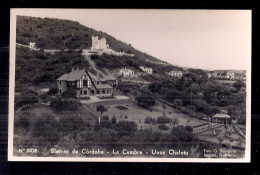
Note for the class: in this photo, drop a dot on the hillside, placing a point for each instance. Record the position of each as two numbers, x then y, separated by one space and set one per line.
35 66
49 33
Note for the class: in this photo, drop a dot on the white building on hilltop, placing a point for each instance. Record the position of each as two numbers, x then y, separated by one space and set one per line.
99 44
146 69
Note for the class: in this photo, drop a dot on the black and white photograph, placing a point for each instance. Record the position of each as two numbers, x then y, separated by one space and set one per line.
130 85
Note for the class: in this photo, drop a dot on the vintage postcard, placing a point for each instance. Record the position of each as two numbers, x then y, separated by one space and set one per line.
130 85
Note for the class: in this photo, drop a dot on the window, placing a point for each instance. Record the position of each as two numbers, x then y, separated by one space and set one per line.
80 92
103 91
60 82
60 91
85 92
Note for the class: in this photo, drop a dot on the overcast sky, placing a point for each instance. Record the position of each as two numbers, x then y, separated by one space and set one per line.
206 39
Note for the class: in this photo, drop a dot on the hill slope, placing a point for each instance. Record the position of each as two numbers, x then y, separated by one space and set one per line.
49 33
34 67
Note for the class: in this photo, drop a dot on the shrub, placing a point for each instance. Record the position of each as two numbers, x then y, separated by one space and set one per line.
58 104
149 120
26 98
126 127
53 91
70 93
163 127
113 119
163 120
44 97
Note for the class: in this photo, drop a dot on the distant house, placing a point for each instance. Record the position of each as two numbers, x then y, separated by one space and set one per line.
32 44
85 83
148 70
220 117
128 72
175 73
230 75
109 79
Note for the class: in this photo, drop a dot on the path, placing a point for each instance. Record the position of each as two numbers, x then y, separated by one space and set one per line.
93 65
22 45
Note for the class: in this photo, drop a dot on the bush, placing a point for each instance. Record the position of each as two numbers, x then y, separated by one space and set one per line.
44 97
53 91
163 120
149 120
58 104
163 127
48 128
126 127
113 120
26 98
70 93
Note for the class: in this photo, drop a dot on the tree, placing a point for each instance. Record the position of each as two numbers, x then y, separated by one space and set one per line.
70 93
189 129
26 98
126 127
53 91
238 85
101 109
175 122
163 120
114 120
180 133
155 87
163 127
164 108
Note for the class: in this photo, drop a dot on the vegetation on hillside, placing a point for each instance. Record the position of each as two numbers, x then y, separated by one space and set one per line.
50 33
34 67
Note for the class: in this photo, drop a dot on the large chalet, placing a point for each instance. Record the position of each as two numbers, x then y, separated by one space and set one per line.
86 84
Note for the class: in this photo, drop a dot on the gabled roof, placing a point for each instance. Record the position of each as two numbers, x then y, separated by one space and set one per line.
72 76
108 77
219 115
93 77
103 86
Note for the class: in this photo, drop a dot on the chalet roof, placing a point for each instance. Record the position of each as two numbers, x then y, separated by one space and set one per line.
108 77
72 76
103 86
219 115
93 77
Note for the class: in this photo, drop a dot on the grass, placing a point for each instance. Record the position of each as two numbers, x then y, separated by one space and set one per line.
138 114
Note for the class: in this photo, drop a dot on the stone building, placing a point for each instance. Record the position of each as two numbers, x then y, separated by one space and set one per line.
99 44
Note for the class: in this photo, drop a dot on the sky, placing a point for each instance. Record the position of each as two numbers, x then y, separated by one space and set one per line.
205 39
